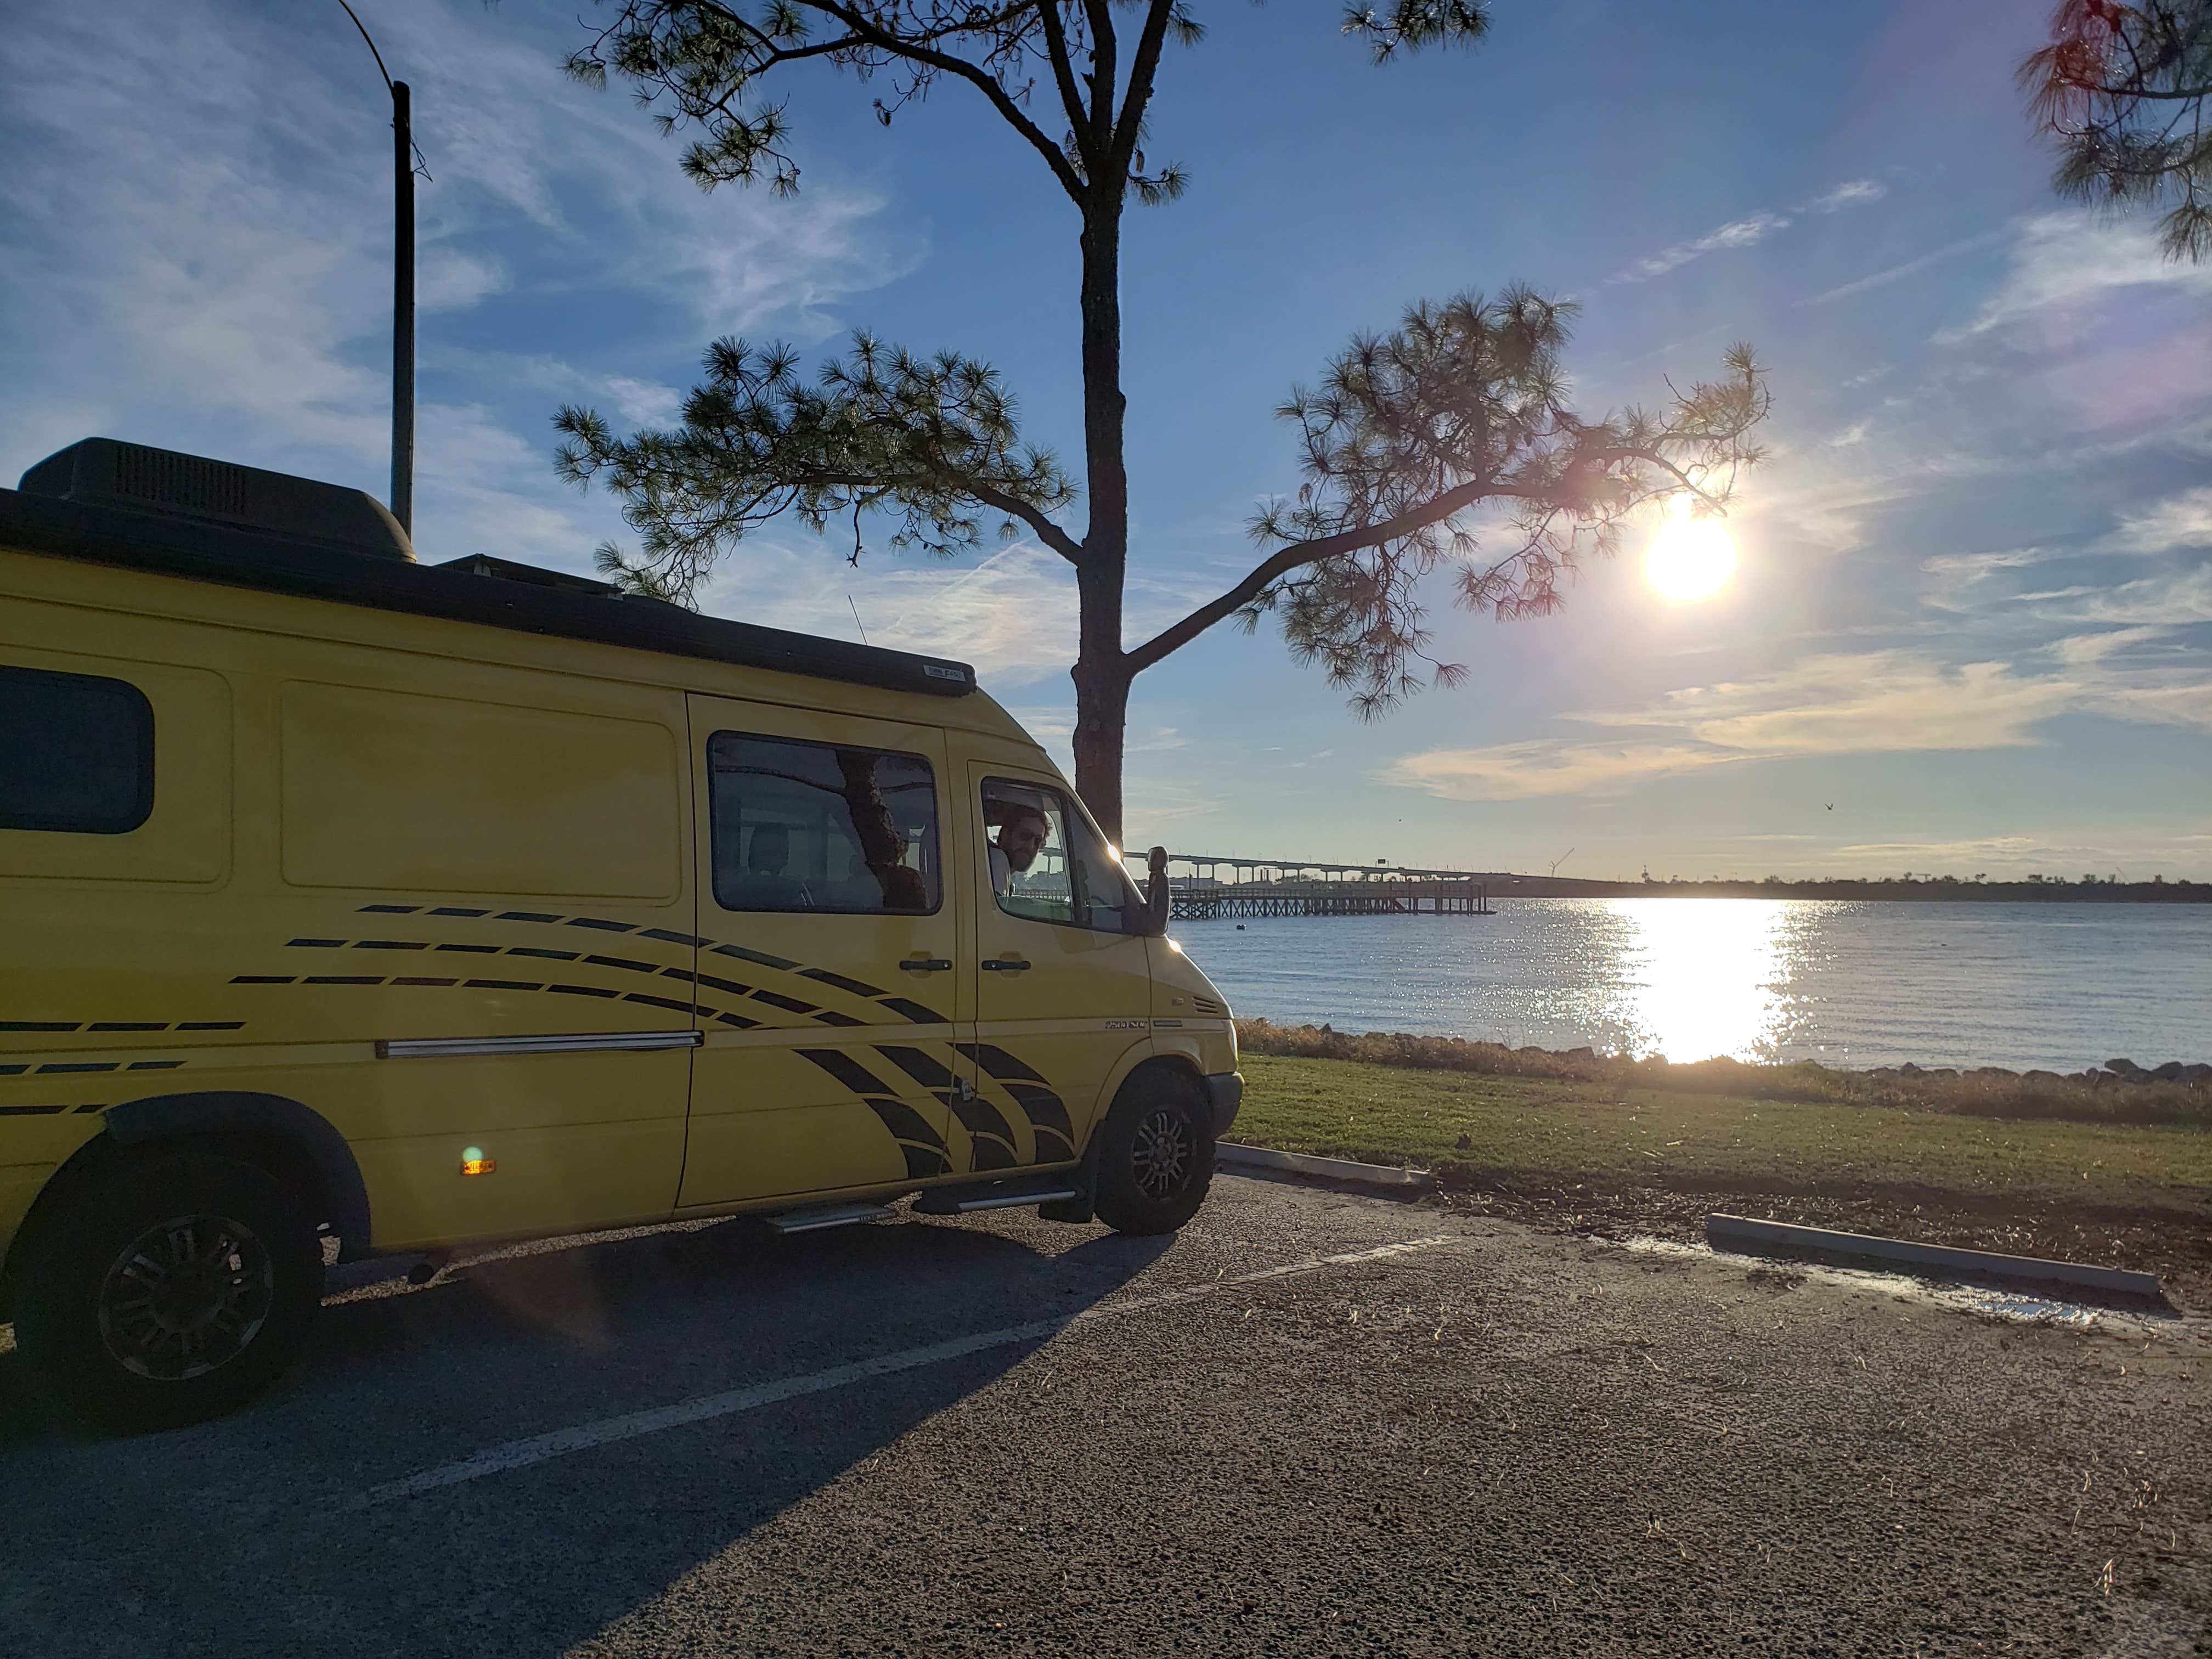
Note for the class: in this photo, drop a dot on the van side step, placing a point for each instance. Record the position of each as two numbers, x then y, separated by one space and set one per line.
1012 1194
831 1215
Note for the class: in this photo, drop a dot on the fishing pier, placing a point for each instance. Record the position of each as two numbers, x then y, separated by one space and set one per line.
1203 886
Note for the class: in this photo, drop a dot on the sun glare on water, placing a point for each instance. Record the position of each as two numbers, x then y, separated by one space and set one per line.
1689 558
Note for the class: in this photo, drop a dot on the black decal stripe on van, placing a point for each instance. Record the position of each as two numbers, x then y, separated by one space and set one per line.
124 1025
458 910
924 1148
922 1160
662 1002
992 1136
790 1004
583 990
739 1021
525 915
604 926
13 1071
424 979
389 910
913 1010
343 979
474 949
846 1070
260 979
81 1066
667 938
154 1065
839 980
505 985
997 1062
317 943
389 944
1046 1111
624 961
212 1024
31 1111
831 1017
760 957
38 1025
547 955
96 1106
731 986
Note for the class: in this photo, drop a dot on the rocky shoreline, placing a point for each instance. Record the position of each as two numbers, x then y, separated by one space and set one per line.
2112 1070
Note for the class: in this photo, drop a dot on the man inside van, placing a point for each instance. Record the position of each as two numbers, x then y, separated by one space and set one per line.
1021 837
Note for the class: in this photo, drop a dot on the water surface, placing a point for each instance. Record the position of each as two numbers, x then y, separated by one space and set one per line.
1845 982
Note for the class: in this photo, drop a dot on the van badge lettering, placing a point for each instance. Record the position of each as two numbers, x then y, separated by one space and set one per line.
1128 1024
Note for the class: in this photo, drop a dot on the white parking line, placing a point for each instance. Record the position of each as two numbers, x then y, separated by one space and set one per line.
537 1449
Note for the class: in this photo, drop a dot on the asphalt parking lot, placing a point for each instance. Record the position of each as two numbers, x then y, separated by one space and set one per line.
1314 1423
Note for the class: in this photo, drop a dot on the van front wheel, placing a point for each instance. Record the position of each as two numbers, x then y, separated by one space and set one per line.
1155 1153
168 1292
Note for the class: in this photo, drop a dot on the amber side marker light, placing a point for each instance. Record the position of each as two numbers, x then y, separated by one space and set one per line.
474 1163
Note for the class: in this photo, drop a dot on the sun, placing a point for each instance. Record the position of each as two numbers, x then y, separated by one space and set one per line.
1689 558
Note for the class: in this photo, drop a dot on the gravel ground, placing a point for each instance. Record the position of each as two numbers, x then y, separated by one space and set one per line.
1314 1422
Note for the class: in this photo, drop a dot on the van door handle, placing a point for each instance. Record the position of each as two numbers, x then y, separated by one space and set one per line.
1005 965
927 965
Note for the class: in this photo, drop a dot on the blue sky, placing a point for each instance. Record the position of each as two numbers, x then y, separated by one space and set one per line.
1972 626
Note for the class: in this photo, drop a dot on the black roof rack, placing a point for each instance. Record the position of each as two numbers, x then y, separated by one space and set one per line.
506 594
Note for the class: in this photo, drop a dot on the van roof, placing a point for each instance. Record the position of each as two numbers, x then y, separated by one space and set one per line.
496 592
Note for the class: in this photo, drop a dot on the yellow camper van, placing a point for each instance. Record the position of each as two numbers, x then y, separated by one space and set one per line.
352 905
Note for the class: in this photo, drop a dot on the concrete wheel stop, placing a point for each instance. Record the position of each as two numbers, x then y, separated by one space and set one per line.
1745 1235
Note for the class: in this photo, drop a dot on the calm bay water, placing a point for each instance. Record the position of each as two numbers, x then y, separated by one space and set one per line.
2058 986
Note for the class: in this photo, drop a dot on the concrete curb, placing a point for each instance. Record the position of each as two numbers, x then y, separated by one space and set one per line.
1743 1234
1233 1153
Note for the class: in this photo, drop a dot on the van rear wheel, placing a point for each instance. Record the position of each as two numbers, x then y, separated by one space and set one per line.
1155 1153
168 1292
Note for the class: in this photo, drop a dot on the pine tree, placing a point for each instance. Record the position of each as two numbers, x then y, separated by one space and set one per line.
1460 411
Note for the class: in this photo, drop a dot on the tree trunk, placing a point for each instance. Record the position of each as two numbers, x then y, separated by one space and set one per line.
1102 678
1101 708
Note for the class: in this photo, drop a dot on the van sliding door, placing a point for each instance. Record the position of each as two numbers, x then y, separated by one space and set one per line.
828 981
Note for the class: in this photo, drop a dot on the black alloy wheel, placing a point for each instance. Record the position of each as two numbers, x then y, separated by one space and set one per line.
167 1291
1164 1154
1155 1153
185 1296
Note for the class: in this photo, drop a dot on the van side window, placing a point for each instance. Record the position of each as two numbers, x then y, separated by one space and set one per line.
812 826
1048 863
76 753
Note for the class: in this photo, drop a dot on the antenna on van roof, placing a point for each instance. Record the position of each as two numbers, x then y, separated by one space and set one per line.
857 622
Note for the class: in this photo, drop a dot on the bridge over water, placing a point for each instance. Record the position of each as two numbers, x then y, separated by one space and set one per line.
1197 889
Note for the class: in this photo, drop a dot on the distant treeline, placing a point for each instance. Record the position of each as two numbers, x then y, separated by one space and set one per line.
2090 889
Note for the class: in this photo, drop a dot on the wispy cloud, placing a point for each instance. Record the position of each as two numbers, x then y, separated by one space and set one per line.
1746 232
1893 701
2182 520
1899 272
192 266
2063 261
1850 193
1739 233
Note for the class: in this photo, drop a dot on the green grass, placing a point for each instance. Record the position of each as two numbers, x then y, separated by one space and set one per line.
1542 1133
1990 1092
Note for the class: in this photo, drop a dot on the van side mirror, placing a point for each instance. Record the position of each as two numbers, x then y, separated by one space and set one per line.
1155 891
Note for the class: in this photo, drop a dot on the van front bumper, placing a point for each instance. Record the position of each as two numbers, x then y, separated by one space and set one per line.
1226 1090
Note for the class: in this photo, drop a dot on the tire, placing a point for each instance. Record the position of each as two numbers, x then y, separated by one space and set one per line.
1155 1153
168 1292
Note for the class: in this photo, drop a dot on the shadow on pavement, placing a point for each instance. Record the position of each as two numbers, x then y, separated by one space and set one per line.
247 1535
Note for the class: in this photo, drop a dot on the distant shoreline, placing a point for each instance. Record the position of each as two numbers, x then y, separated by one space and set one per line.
1948 889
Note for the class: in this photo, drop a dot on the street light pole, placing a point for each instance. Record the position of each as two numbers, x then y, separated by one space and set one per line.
403 308
403 286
